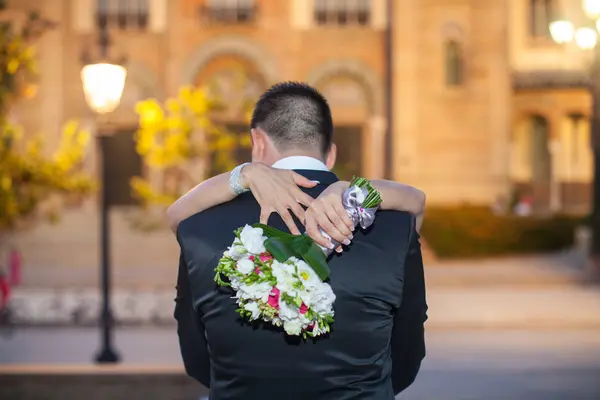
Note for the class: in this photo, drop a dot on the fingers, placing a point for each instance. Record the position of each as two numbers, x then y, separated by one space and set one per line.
312 229
298 211
338 223
330 229
303 198
303 181
341 212
264 215
288 220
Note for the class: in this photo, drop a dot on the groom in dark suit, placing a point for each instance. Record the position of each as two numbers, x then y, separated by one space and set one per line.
377 341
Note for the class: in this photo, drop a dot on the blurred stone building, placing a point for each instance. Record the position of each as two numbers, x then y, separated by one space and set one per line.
483 102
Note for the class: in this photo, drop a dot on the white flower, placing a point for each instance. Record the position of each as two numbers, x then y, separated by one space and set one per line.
252 306
235 283
253 239
319 330
235 251
256 291
281 270
245 266
321 299
287 312
307 275
293 327
285 280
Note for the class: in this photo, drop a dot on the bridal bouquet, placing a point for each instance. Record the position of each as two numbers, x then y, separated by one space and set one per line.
280 278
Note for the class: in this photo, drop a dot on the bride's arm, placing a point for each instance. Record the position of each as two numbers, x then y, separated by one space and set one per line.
401 197
262 180
328 213
211 192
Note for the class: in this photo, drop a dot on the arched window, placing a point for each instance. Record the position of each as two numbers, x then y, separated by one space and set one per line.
454 63
541 15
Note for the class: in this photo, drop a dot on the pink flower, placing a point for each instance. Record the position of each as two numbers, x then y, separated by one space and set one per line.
274 298
257 270
303 309
251 258
264 257
311 326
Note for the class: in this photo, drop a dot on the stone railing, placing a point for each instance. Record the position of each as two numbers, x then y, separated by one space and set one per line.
82 307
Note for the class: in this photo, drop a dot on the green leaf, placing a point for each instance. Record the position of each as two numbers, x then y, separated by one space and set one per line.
315 257
283 245
300 244
270 232
303 247
279 249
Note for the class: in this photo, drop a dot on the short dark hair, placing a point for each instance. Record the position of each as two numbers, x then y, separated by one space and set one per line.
294 115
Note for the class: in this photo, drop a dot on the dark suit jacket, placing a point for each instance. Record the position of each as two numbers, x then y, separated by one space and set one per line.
377 341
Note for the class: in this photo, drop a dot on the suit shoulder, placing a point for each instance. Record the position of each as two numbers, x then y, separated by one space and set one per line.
398 218
238 204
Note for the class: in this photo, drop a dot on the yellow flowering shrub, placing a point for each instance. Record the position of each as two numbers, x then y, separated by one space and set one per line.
29 175
177 138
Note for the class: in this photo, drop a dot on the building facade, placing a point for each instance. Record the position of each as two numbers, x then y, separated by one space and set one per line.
483 102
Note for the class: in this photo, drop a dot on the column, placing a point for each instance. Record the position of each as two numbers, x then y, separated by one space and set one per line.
377 126
555 189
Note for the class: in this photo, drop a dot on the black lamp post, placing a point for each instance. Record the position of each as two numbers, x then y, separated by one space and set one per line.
586 38
103 84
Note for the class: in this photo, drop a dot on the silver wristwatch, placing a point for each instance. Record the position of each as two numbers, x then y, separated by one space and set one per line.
235 180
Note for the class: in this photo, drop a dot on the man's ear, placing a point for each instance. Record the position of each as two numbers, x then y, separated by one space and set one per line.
331 156
258 144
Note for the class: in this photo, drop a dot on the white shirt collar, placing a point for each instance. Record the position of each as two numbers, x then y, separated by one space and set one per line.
300 162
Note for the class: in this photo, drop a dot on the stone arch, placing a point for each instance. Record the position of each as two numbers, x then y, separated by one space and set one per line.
370 81
236 45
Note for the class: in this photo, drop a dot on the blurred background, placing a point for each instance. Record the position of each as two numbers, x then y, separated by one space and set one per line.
110 109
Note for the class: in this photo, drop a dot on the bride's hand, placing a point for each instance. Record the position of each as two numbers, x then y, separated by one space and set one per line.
328 212
278 190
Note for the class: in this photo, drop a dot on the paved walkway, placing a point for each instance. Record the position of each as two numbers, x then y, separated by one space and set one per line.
460 365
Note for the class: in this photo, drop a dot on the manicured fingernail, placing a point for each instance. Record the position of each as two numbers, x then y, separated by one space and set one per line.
317 182
351 237
331 246
339 250
346 242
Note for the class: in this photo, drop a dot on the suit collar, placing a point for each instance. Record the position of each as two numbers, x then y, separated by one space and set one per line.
324 177
300 162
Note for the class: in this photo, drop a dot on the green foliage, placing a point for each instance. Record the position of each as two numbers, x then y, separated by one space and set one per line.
29 176
476 232
180 137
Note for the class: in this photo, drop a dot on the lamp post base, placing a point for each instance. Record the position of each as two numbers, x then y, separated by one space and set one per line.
107 356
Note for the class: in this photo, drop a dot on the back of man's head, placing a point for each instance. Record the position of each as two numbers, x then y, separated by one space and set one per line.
294 116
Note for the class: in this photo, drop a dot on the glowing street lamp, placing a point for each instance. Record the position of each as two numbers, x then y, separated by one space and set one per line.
586 38
103 84
591 8
562 31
